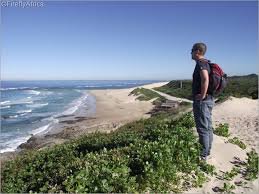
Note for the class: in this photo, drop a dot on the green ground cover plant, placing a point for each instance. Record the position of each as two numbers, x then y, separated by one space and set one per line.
228 188
252 165
222 130
157 155
237 142
146 94
230 175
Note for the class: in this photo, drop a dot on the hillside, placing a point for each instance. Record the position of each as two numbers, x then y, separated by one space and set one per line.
238 86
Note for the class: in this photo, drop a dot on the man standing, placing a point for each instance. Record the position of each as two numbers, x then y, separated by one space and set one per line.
202 101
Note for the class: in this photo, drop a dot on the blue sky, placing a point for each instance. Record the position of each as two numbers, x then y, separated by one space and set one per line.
126 40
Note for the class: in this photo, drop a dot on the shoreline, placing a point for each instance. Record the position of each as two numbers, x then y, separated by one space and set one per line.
114 108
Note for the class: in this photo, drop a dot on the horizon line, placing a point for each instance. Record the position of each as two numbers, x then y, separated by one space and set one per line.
229 75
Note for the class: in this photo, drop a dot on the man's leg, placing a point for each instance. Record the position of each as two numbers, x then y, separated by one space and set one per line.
204 141
202 115
210 141
210 127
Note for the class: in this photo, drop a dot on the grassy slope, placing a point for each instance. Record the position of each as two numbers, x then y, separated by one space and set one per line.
238 86
145 94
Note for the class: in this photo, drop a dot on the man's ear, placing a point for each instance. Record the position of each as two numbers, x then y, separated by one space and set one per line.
199 52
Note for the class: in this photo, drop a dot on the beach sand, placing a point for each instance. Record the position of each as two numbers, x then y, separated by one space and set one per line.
114 108
242 116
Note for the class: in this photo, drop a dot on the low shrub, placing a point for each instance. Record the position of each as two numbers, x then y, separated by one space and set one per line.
155 154
237 142
145 94
252 165
222 130
230 175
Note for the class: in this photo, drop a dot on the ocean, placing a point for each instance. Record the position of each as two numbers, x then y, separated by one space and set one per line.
35 107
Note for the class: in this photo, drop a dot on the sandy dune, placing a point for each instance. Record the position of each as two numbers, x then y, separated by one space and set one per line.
242 116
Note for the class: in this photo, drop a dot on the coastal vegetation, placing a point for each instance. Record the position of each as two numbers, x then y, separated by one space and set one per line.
227 188
177 88
237 142
252 165
158 154
242 172
145 94
238 86
248 169
230 175
222 130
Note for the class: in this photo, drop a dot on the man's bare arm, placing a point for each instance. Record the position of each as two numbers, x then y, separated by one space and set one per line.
204 83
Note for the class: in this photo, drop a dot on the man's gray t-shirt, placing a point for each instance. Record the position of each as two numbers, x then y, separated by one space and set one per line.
196 78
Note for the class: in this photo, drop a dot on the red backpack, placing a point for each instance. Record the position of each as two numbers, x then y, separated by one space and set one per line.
217 79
